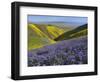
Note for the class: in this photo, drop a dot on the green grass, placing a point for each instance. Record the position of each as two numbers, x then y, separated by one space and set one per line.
36 38
40 35
77 32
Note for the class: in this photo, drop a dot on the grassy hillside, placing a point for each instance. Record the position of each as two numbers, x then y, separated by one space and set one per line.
77 32
54 31
36 38
40 35
51 31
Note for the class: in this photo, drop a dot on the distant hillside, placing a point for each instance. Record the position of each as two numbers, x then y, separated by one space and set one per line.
64 25
77 32
40 35
51 31
36 38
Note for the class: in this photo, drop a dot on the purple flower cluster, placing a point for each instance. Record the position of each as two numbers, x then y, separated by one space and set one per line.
66 52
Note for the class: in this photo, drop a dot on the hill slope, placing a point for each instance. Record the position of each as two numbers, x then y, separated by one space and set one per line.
77 32
36 38
51 31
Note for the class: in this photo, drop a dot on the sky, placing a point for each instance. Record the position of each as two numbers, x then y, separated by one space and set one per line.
46 18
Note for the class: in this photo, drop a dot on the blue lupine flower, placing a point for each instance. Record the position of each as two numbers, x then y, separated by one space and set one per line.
62 53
